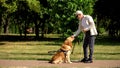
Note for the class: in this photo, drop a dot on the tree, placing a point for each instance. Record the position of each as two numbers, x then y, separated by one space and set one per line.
109 15
47 16
7 8
62 13
36 14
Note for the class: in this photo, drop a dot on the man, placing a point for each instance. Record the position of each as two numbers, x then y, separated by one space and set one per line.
87 26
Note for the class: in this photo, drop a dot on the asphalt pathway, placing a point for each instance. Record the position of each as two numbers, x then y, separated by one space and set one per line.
45 64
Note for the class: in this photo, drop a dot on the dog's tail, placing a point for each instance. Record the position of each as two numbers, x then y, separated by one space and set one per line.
50 61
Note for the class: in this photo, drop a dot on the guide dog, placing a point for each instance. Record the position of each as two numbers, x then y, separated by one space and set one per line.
63 54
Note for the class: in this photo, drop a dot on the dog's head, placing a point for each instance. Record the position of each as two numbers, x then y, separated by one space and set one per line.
69 41
67 45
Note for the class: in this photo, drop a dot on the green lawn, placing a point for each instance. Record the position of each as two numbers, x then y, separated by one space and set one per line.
38 50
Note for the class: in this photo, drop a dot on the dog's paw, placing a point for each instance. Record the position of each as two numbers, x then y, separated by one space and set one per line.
69 62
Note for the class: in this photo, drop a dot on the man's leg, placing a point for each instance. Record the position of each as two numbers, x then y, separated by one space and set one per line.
91 47
85 45
85 51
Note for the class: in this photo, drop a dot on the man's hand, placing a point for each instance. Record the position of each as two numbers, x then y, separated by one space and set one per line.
72 37
84 30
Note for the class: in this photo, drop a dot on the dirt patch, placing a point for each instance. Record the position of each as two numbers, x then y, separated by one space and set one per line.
45 64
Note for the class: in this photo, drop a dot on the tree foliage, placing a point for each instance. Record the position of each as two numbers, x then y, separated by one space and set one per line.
7 8
62 13
55 16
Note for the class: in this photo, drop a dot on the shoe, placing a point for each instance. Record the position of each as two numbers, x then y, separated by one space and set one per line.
83 60
88 61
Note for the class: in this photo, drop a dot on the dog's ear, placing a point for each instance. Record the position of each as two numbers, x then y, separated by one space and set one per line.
70 43
66 42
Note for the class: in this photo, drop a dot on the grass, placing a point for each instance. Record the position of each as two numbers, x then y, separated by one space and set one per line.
38 50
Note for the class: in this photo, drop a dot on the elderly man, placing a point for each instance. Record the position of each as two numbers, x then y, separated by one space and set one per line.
87 26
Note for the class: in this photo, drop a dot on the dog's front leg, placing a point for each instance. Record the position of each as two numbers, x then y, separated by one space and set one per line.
68 57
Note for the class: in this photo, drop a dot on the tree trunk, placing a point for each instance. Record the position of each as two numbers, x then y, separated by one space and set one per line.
42 35
6 26
25 31
36 29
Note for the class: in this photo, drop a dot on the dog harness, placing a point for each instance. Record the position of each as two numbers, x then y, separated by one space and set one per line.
65 52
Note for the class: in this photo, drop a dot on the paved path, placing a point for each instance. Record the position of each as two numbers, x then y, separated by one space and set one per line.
45 64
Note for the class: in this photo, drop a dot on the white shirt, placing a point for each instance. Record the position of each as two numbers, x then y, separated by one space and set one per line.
87 23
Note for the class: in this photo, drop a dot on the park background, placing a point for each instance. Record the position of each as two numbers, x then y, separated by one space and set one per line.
31 28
